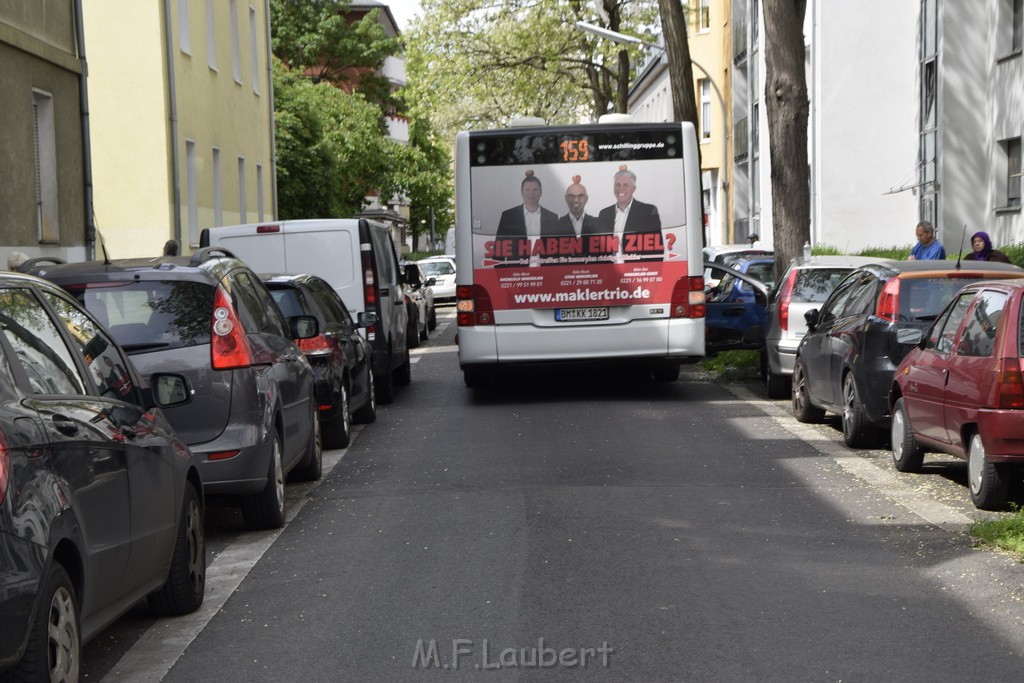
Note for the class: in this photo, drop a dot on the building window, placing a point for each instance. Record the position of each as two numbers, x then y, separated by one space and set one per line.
755 128
704 16
1017 25
1014 170
236 68
218 190
45 141
241 190
259 192
184 28
211 37
254 52
192 192
705 109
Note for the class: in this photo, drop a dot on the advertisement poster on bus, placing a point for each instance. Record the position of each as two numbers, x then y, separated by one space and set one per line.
561 221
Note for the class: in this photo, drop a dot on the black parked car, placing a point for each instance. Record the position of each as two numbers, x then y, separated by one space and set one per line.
854 342
340 356
100 503
253 418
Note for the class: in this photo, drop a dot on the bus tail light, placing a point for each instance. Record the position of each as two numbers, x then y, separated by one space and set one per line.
688 298
473 306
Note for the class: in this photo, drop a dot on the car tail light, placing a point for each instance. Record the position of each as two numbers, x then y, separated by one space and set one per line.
5 467
1009 384
473 306
688 298
785 295
228 346
889 301
314 345
369 287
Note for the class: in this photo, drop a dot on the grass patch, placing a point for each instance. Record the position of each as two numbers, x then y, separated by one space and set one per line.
732 361
1006 533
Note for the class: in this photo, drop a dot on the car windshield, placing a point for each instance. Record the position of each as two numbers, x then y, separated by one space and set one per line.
435 268
922 299
731 259
815 284
151 315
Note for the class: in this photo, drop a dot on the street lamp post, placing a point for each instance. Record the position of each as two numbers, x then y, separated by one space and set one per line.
617 37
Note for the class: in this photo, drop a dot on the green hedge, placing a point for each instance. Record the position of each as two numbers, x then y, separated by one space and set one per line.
1014 251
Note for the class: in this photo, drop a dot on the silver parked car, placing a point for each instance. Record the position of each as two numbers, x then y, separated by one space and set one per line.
806 284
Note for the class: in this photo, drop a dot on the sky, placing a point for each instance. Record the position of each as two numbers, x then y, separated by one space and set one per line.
403 11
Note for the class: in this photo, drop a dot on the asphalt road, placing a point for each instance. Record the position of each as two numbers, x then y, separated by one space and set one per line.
684 531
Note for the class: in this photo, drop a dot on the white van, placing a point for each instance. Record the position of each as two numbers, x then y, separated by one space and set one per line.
356 256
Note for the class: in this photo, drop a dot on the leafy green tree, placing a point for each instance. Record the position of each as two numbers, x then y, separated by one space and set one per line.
331 148
478 63
426 179
315 37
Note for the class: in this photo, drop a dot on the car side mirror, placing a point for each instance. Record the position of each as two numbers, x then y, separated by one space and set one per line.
367 319
167 390
811 317
303 326
431 281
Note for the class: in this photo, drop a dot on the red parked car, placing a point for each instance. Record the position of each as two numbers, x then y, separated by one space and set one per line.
960 391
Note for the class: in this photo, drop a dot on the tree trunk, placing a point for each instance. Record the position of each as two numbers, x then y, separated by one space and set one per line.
785 96
680 68
680 75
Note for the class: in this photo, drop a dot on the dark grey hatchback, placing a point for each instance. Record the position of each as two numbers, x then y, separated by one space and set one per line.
100 503
209 317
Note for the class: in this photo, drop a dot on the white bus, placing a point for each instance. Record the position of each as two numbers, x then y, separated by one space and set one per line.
579 243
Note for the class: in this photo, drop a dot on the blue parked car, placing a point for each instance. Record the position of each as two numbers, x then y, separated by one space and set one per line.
735 311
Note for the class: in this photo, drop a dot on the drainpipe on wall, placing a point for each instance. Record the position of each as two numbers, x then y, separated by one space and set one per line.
172 96
83 101
270 100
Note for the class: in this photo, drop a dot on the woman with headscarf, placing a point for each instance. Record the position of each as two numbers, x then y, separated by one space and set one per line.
983 250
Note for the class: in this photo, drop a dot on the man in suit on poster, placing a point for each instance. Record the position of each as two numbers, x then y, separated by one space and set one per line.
629 216
577 221
529 219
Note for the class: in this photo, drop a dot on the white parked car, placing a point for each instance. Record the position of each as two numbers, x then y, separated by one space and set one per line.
442 269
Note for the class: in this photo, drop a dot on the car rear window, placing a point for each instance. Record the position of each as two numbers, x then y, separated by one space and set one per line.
151 315
922 299
813 285
765 272
435 268
290 300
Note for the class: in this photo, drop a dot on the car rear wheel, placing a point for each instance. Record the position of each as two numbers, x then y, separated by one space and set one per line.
265 510
338 432
403 373
989 482
777 385
858 432
386 384
54 650
432 319
907 454
312 466
185 587
669 372
803 411
368 413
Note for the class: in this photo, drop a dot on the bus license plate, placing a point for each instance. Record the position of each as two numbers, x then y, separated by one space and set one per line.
572 314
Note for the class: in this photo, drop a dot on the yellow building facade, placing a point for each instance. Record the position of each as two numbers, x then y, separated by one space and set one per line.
181 119
650 99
